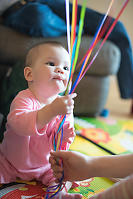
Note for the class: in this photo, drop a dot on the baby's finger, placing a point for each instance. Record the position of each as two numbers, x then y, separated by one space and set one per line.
72 134
66 125
69 141
70 96
69 135
73 95
70 102
70 109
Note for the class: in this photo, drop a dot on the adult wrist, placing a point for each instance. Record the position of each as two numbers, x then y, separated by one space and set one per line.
96 167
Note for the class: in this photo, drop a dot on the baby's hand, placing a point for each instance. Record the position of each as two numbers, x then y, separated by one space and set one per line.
69 134
63 104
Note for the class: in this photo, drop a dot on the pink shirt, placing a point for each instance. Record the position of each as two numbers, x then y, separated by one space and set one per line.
26 148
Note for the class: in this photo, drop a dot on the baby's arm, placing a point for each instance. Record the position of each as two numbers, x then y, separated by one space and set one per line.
25 120
102 166
60 106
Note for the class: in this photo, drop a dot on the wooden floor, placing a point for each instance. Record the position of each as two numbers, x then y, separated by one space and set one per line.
119 108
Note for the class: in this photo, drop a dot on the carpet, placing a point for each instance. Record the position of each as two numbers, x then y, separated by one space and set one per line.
95 136
113 136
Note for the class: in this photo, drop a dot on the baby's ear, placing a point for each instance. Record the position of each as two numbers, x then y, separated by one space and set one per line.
28 73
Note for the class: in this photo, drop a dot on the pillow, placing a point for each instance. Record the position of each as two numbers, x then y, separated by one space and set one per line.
35 19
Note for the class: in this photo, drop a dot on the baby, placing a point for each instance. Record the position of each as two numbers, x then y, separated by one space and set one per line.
34 114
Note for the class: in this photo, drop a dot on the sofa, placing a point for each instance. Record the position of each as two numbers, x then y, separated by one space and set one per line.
94 87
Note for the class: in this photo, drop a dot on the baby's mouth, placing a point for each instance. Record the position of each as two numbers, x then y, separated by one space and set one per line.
58 78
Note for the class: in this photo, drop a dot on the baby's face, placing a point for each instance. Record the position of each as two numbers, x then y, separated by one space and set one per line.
50 69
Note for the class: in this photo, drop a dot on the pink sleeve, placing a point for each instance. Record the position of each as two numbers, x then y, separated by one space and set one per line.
22 118
120 190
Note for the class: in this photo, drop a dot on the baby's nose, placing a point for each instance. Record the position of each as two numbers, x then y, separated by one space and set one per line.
59 69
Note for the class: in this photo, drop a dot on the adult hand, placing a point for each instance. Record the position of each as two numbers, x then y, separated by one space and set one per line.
76 166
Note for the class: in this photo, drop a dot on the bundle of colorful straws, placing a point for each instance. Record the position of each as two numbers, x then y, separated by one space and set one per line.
106 26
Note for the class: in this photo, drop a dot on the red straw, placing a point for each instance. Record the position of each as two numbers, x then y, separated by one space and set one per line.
107 35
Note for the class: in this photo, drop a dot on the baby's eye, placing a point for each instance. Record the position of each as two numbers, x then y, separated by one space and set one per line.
50 63
66 68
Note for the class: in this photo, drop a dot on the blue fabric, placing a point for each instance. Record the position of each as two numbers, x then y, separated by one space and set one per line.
38 22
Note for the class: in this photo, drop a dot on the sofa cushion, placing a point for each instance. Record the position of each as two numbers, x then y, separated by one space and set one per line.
17 45
107 61
92 93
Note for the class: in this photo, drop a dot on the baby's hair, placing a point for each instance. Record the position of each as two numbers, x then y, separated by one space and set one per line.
28 61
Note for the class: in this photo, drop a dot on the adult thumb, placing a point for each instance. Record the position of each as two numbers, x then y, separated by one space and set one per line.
59 154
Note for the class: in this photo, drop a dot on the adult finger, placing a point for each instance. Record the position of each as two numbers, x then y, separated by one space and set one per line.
59 154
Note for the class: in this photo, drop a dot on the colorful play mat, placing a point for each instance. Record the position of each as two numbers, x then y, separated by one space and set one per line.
35 190
95 136
113 136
